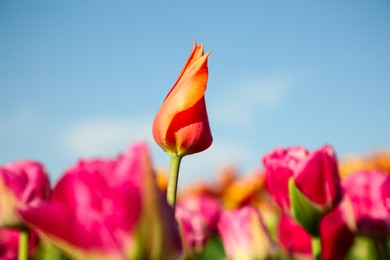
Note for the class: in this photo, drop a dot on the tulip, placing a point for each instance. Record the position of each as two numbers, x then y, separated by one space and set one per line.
23 184
305 184
198 217
244 235
181 126
369 193
99 209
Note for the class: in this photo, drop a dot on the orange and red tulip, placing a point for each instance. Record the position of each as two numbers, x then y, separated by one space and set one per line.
181 126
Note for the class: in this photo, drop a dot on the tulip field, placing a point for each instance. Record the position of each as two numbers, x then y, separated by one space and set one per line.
297 204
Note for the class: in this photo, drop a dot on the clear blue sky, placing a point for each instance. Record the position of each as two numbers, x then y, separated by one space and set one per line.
85 78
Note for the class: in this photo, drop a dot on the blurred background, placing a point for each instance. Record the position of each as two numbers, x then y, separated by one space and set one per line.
85 79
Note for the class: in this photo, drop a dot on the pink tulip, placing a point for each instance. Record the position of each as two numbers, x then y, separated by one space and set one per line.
369 193
9 243
315 174
198 217
99 209
244 235
23 184
305 184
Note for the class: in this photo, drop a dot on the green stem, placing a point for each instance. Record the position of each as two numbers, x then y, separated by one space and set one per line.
316 247
381 248
173 180
23 245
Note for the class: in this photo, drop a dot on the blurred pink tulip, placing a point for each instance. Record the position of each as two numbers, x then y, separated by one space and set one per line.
198 217
99 207
244 235
315 174
9 244
23 184
369 193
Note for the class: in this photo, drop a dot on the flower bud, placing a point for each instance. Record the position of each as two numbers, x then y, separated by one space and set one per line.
181 126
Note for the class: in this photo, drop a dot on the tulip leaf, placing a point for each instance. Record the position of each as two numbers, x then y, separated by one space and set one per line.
304 211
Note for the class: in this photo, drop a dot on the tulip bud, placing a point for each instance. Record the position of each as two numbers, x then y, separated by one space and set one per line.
181 126
244 235
305 184
23 184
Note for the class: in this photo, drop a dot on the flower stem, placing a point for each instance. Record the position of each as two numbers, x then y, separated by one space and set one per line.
381 248
23 245
316 247
173 180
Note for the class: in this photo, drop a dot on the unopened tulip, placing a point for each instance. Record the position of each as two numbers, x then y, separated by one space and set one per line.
181 126
99 208
23 184
198 217
244 235
305 184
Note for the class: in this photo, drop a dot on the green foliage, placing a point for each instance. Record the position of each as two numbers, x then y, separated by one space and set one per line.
214 250
48 251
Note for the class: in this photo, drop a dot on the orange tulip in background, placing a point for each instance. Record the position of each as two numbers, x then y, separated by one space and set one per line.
181 126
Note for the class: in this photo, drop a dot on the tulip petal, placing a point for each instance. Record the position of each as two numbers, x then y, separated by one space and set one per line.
318 177
293 237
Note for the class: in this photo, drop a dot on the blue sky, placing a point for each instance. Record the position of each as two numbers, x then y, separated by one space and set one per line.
81 79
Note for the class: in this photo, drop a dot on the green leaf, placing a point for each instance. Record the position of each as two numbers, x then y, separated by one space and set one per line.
214 250
304 211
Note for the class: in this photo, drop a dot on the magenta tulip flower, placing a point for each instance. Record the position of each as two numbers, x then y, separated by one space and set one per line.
99 210
23 184
369 193
244 235
309 179
198 217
